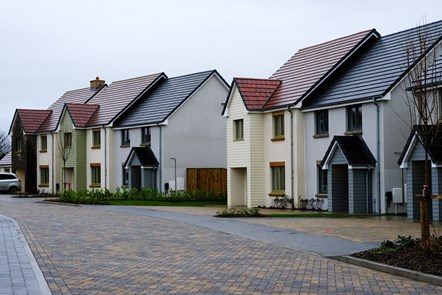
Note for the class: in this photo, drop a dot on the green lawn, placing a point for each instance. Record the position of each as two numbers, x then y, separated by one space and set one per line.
165 203
319 215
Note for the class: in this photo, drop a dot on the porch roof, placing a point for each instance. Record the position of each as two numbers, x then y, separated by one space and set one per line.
144 154
354 149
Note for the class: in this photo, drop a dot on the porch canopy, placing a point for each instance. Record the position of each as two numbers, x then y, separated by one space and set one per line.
349 162
141 165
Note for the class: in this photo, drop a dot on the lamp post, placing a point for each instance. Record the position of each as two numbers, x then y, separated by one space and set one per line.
174 160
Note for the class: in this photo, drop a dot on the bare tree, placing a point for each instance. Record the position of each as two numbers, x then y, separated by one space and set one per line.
424 107
64 150
5 144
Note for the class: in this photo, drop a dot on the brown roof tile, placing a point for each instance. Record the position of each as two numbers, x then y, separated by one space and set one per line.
74 96
31 120
118 96
309 65
81 113
256 92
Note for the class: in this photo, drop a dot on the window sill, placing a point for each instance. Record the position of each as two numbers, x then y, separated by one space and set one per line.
278 138
43 151
322 196
95 186
276 194
145 144
353 132
238 139
321 135
125 145
43 185
96 147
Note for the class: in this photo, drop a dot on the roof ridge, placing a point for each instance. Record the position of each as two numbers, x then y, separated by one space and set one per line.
133 78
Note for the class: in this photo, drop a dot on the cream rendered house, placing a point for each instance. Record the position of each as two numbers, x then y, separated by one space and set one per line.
265 127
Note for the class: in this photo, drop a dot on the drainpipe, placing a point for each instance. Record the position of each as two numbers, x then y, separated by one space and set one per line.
53 164
105 157
292 176
378 146
161 158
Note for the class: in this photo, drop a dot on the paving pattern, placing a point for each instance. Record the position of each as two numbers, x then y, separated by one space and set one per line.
86 250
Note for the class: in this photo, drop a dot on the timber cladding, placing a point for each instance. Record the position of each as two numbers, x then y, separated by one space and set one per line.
206 179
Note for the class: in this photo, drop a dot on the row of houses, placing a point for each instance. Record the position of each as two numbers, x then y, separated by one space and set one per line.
139 132
332 123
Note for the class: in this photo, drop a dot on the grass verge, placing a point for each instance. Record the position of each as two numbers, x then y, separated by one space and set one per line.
166 203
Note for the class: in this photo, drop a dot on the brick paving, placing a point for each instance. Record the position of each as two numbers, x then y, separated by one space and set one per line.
86 250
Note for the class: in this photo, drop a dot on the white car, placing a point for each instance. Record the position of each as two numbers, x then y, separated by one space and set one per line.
10 182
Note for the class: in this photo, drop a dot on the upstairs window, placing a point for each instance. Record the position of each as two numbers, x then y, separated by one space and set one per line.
44 175
96 138
67 140
354 118
238 130
43 143
278 126
145 135
125 139
321 118
18 144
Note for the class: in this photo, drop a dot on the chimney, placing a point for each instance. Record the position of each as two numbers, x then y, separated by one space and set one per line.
97 83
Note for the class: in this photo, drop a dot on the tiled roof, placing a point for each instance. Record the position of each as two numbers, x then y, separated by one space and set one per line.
81 113
74 96
304 70
354 148
256 92
6 160
375 70
118 96
168 95
31 120
145 155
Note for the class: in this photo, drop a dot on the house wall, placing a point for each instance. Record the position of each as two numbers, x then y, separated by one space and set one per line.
392 138
196 133
45 158
279 151
24 163
248 154
95 155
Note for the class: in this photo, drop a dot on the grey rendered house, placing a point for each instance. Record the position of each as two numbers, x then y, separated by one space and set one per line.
357 123
178 125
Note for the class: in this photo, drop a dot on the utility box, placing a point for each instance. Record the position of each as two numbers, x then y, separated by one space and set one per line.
397 195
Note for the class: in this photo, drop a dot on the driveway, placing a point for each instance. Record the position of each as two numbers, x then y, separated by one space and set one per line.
127 250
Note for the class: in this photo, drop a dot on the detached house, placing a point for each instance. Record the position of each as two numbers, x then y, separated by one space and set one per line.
330 123
176 126
265 126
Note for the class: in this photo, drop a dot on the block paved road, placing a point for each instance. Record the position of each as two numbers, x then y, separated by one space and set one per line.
123 250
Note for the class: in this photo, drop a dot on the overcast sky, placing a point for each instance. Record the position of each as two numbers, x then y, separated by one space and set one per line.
51 46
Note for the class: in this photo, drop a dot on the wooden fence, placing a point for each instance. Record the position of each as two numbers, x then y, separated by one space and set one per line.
206 179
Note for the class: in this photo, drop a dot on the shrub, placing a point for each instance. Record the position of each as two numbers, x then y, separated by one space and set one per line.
239 212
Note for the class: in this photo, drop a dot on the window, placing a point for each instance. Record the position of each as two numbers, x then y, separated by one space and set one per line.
67 140
44 143
145 135
44 175
95 175
7 170
322 181
278 126
278 178
238 130
354 118
18 144
96 138
321 122
125 140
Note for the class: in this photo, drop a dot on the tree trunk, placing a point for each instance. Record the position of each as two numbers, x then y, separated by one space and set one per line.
425 224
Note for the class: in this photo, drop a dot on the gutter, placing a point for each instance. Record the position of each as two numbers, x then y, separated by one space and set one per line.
292 176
